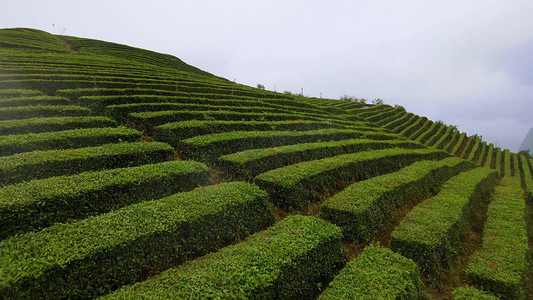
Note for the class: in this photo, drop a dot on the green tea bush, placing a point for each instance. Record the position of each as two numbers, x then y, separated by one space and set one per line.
42 164
40 203
430 233
75 138
250 163
291 260
364 207
295 186
377 273
210 147
38 125
26 112
500 265
91 257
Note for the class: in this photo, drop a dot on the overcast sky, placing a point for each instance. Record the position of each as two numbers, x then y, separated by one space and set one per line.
467 63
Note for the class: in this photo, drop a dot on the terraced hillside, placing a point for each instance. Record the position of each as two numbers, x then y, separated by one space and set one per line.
128 173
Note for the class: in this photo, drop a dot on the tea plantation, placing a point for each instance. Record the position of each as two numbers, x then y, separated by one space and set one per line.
126 173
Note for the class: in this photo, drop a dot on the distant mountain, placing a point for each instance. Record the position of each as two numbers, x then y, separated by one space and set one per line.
527 144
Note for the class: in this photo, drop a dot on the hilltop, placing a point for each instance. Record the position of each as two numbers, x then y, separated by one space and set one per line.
127 172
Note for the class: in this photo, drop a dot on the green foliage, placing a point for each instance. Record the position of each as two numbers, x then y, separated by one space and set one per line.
26 112
90 257
76 138
527 177
400 107
295 186
174 132
148 120
526 153
290 260
10 93
430 233
34 100
208 148
250 163
477 136
260 86
363 208
40 203
38 125
378 273
377 117
507 163
499 266
42 164
377 101
30 39
50 85
121 112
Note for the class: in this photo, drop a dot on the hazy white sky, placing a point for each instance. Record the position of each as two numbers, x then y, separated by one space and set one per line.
467 63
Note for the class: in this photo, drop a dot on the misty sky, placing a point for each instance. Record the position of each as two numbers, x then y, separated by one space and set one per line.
467 63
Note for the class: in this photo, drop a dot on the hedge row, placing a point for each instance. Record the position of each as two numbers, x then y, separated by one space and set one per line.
210 147
92 257
183 130
427 124
399 113
476 150
526 176
122 111
291 260
50 86
36 100
38 125
430 233
377 273
379 116
398 122
294 186
148 120
99 103
440 138
26 112
350 117
371 111
363 208
498 162
450 142
75 138
42 164
431 132
75 94
409 130
469 293
463 150
507 163
250 163
40 203
499 266
430 141
488 157
10 93
408 123
454 148
478 155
